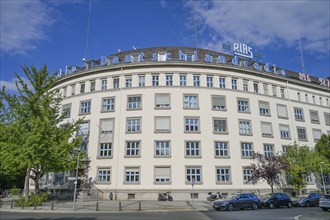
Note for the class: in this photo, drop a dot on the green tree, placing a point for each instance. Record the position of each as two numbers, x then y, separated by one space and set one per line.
36 138
323 147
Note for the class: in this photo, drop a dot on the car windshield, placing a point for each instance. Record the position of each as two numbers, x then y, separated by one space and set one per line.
267 196
326 196
231 196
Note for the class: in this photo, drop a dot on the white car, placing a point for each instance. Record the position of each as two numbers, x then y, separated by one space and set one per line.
325 202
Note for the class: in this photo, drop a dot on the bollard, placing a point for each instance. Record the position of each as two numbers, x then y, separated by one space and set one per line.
139 206
12 204
35 206
119 206
97 206
0 203
52 206
22 205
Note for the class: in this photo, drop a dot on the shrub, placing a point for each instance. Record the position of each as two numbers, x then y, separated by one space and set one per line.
34 199
14 191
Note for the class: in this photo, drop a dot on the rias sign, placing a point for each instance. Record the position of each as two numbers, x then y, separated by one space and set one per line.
243 50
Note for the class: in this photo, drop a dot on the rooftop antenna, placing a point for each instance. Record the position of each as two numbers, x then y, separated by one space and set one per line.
88 28
195 24
302 58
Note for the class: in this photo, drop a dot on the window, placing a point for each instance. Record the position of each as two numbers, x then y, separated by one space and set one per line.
298 96
306 97
193 149
183 80
243 105
163 174
196 80
84 132
132 175
191 124
222 82
313 99
247 175
73 89
314 117
105 150
104 83
133 125
193 174
245 127
221 149
65 91
265 88
66 110
327 102
103 175
245 85
309 179
327 118
142 80
85 107
92 83
321 101
209 81
128 81
106 137
301 134
284 148
234 84
268 150
266 129
155 80
218 103
282 111
255 87
163 124
162 100
298 114
220 125
134 102
317 134
162 149
247 150
132 148
223 175
108 104
282 91
274 91
116 83
285 131
82 87
169 80
264 108
190 101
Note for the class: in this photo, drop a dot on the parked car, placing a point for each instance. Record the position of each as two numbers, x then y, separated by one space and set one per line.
325 202
311 199
238 201
273 200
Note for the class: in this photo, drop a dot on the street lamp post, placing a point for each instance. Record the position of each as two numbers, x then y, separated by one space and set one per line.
76 183
322 177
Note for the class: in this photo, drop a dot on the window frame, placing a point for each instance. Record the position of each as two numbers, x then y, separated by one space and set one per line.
138 125
166 149
223 147
112 105
214 119
194 125
89 108
219 181
134 105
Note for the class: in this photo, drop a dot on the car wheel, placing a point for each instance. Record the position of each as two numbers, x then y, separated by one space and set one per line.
308 204
325 209
254 206
289 204
271 205
230 207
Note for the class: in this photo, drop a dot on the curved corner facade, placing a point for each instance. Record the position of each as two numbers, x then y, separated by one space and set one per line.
166 119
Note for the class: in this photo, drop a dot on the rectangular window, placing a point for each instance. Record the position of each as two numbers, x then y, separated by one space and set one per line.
266 129
133 125
103 175
163 174
247 150
142 80
282 111
132 175
191 124
108 104
65 91
190 101
234 84
92 84
128 82
220 125
243 105
274 91
132 148
221 149
245 127
298 114
209 81
155 80
134 102
106 137
116 83
255 87
264 108
298 96
162 149
301 134
183 80
105 150
193 174
163 124
245 85
285 131
193 149
247 175
82 87
85 107
104 84
314 117
73 89
306 97
196 80
223 175
317 134
222 82
268 150
327 118
321 101
313 99
162 100
66 110
282 91
284 148
265 88
218 103
169 80
84 132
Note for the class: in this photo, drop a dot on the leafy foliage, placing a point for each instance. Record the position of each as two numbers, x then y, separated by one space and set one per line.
323 148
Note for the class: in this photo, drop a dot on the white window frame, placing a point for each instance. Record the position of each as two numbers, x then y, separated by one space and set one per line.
155 80
193 172
104 84
243 106
133 125
302 136
223 174
269 150
298 114
247 175
134 102
103 175
132 175
169 79
196 80
191 124
222 82
142 80
234 84
85 107
285 131
162 148
246 149
162 105
209 81
218 107
108 104
221 149
264 108
217 126
245 127
193 149
133 148
183 79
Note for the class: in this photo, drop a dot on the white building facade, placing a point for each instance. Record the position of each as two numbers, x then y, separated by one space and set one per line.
159 119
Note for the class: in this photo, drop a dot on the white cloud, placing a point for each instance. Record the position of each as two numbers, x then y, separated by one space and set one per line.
23 25
264 23
163 3
11 85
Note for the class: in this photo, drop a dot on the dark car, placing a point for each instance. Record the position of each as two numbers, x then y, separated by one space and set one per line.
238 201
325 202
273 200
311 199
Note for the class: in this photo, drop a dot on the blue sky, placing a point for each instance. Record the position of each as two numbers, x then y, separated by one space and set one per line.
53 32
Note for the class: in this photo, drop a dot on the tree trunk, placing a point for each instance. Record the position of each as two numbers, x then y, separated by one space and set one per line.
272 187
36 185
27 184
